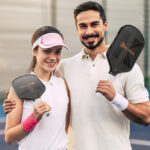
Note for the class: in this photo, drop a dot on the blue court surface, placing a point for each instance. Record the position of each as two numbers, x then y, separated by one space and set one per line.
140 135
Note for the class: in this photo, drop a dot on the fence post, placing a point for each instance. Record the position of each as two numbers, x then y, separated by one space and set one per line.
146 35
53 12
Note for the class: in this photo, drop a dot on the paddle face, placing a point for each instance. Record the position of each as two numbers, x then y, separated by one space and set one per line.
125 49
28 87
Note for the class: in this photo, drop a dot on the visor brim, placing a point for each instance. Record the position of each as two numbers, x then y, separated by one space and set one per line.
53 45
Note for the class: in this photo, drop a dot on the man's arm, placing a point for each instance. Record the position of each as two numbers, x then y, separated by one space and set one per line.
9 105
138 113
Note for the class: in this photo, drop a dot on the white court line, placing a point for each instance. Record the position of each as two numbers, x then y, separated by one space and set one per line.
140 142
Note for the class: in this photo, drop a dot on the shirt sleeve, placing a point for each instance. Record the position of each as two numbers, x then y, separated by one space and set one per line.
134 86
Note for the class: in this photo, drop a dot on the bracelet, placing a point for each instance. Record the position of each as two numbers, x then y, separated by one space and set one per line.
29 123
120 102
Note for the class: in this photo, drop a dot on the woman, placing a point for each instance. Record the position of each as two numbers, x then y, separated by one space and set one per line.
26 123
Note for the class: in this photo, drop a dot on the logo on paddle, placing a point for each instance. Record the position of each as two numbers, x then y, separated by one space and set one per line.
28 85
123 45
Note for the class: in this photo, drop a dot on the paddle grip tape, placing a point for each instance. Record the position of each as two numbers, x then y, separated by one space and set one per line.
29 123
120 102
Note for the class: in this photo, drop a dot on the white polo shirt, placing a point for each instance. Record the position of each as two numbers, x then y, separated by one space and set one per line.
49 133
96 124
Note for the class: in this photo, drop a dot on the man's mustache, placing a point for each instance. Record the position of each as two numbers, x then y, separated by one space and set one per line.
85 37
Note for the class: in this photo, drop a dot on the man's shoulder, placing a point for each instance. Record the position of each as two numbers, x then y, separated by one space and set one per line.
136 68
133 73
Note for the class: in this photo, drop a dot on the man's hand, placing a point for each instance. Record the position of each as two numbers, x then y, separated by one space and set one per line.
106 88
8 105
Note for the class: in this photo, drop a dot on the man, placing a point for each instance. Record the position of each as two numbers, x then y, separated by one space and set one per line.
100 122
96 122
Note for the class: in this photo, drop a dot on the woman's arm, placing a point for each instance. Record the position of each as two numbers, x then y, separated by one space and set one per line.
14 130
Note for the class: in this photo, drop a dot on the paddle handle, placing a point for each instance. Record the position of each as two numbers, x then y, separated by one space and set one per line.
110 77
47 113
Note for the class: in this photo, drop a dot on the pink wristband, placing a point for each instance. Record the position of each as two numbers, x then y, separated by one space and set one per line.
29 123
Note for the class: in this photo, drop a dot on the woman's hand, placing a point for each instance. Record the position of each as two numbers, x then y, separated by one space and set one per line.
39 109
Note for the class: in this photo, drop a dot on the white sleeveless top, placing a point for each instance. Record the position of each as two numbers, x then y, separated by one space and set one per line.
49 133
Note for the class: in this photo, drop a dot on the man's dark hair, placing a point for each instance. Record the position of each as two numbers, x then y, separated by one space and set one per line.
90 6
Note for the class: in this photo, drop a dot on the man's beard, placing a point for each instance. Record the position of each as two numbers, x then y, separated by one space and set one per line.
91 46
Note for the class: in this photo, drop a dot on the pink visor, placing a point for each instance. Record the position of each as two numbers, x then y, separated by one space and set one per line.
49 40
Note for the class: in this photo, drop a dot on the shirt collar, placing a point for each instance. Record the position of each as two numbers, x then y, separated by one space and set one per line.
51 81
84 55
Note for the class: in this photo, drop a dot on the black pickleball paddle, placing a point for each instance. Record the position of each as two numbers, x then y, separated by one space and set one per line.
29 87
125 49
